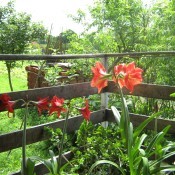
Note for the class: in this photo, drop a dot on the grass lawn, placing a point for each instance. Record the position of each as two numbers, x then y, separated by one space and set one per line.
19 78
11 162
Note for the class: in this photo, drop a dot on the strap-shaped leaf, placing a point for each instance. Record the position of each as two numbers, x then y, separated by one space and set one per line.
100 162
158 161
164 168
30 166
157 139
138 143
140 128
53 161
145 168
116 113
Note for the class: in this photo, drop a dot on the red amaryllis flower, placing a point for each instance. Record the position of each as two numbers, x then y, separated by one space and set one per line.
99 79
85 111
127 75
42 104
5 103
57 105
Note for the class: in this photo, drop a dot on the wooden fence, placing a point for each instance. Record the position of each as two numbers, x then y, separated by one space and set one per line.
35 134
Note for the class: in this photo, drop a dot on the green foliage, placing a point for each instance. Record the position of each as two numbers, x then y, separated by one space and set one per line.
17 30
133 142
52 75
94 143
55 137
34 48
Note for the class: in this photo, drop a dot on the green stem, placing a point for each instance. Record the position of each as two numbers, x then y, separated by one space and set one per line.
126 132
62 140
39 75
24 167
125 118
8 65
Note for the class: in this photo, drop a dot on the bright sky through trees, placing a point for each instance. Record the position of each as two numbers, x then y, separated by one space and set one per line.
52 12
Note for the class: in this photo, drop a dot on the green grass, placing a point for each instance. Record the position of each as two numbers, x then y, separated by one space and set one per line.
12 162
19 79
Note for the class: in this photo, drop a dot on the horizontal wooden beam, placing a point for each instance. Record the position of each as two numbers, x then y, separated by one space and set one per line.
146 90
84 89
18 57
13 140
37 133
67 92
137 119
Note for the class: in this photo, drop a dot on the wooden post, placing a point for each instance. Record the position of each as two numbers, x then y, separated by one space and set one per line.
104 96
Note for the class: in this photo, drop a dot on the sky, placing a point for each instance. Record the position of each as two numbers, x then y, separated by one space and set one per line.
53 12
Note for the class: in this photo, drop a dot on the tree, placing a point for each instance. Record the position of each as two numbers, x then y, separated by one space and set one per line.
60 44
16 32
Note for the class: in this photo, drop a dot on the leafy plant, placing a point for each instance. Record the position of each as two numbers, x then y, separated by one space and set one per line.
95 142
55 105
139 157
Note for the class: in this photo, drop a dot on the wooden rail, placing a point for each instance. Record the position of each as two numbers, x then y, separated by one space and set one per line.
12 140
18 57
84 89
146 90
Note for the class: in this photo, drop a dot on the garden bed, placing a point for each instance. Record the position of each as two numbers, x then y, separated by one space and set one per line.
12 140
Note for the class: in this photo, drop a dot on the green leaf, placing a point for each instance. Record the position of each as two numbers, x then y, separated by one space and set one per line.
158 138
116 114
105 162
53 161
47 163
158 161
138 143
30 166
140 128
172 95
130 139
164 168
145 166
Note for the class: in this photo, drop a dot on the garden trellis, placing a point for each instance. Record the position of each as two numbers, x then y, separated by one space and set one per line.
35 134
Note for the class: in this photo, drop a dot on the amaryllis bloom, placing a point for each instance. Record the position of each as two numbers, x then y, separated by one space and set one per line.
57 105
127 75
85 111
100 77
6 103
42 104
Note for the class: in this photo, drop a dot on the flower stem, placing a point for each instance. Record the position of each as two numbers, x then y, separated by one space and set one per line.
24 167
127 132
62 140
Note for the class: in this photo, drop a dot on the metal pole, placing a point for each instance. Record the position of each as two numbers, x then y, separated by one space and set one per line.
104 96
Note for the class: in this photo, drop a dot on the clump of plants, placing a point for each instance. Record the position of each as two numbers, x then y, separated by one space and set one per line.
95 142
55 105
118 149
140 158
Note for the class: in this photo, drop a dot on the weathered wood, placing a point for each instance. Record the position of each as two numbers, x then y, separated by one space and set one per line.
66 92
18 57
146 90
35 134
84 89
41 169
13 140
136 119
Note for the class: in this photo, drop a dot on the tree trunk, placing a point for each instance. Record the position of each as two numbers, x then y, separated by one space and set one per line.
8 65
